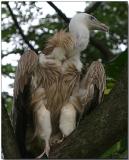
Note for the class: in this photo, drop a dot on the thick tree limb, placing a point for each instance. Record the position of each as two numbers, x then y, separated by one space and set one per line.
9 145
99 130
19 28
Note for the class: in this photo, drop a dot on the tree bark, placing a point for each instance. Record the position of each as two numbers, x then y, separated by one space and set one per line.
100 129
9 145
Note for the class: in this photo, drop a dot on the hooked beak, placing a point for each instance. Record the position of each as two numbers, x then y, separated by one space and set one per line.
103 27
97 25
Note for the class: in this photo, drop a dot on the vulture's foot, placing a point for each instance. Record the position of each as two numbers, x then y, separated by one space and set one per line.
45 153
60 140
56 139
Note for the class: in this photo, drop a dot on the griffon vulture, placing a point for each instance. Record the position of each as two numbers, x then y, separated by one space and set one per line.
48 92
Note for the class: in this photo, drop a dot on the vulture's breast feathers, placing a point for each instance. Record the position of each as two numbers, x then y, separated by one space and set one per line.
53 81
57 72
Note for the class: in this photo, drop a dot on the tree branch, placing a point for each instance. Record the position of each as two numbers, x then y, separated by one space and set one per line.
9 145
93 6
102 48
19 28
4 55
17 51
59 12
99 130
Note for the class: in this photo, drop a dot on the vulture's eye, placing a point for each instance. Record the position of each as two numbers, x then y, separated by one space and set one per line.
92 18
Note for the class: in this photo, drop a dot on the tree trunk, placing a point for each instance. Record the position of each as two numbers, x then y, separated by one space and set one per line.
9 145
100 129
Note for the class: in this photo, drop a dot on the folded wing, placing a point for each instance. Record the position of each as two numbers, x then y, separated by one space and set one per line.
24 70
25 67
93 84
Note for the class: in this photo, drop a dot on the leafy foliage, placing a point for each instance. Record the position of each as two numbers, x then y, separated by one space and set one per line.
8 68
118 150
114 68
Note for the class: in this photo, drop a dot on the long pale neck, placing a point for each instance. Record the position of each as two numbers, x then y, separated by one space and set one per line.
81 35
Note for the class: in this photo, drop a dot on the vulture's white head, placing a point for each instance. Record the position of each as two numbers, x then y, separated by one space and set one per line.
80 26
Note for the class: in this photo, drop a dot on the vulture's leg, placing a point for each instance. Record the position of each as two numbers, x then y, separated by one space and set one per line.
44 128
67 119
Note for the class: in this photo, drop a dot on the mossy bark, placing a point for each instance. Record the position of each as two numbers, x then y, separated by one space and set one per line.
97 131
9 145
100 129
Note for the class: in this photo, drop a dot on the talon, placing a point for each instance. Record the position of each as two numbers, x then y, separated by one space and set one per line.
60 140
41 155
45 152
57 140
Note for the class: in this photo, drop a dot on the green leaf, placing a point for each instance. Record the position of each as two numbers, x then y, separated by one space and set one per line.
8 68
114 69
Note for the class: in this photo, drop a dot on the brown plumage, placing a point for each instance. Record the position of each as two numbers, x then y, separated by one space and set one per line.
25 68
61 39
95 77
48 93
54 84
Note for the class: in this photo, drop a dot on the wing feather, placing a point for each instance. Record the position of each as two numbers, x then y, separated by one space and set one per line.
25 67
95 79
